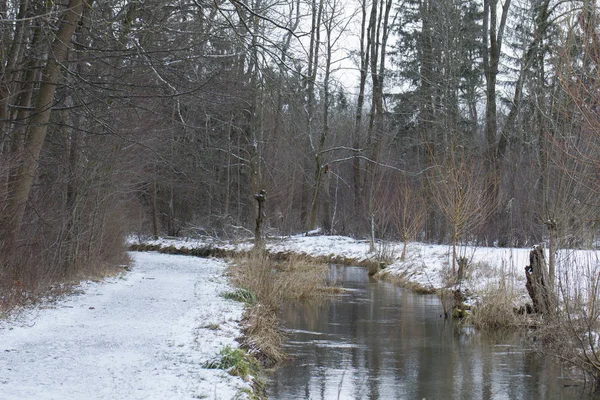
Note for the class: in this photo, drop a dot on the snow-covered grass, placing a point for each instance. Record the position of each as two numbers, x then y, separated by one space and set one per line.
145 335
426 266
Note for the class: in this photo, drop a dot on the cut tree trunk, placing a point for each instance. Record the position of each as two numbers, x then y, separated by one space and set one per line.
538 283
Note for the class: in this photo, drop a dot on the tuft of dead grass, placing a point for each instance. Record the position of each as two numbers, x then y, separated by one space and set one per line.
273 282
262 336
331 290
403 280
496 310
295 278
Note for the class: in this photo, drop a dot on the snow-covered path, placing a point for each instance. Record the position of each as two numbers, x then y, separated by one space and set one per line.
143 336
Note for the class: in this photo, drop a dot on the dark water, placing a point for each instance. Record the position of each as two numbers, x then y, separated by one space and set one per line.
383 342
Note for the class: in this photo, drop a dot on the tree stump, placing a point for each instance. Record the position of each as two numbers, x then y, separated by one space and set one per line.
538 283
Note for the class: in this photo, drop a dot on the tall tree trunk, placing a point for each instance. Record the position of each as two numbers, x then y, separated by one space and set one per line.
313 64
7 69
426 113
228 169
20 121
20 186
378 34
326 217
294 15
492 39
154 206
493 34
254 113
365 52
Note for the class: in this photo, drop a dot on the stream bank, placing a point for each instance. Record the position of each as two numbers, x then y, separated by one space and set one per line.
494 277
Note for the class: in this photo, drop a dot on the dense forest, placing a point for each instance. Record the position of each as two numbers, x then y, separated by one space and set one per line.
435 120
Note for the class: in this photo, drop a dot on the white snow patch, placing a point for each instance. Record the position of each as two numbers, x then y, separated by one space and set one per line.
145 336
428 265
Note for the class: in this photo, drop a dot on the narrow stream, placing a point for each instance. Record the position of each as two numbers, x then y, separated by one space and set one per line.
383 342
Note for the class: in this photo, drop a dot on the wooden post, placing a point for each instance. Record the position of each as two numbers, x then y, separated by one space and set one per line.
260 198
538 283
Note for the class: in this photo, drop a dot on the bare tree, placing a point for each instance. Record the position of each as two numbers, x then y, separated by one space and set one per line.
409 213
378 31
493 36
461 192
20 185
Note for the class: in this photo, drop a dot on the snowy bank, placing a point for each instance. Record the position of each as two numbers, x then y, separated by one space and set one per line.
145 335
425 266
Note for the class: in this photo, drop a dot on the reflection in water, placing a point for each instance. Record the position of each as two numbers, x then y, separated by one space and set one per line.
382 342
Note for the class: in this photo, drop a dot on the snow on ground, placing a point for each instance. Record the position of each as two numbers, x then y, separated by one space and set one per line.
425 264
147 334
428 265
142 336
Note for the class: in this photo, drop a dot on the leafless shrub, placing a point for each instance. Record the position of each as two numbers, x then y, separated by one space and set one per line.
386 252
463 194
573 334
446 297
408 214
12 295
65 238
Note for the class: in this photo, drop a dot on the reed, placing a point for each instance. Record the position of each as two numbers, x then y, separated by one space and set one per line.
496 310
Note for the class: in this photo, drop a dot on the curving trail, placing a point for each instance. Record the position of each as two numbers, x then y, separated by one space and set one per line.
142 336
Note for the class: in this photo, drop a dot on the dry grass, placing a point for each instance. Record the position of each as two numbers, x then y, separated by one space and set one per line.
291 278
262 336
330 290
496 310
295 278
404 281
19 292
